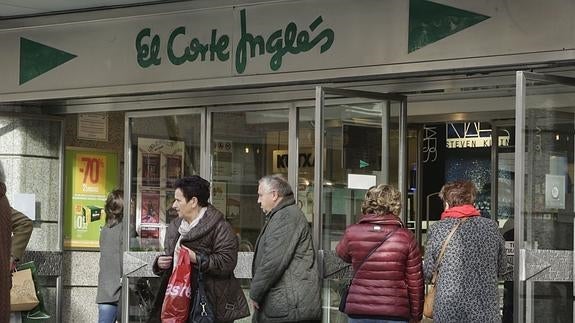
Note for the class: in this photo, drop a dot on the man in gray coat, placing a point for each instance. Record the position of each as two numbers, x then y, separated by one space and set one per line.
285 278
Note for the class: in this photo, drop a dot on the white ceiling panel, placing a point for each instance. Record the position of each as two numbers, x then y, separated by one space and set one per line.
10 10
15 8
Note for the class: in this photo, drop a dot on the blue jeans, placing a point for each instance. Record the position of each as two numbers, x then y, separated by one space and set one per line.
107 313
351 320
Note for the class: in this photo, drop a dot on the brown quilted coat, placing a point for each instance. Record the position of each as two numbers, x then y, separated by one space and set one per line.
5 238
215 238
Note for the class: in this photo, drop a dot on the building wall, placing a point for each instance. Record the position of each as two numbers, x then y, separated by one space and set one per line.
30 157
80 268
30 148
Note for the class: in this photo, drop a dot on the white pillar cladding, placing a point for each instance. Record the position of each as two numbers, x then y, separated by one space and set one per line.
30 155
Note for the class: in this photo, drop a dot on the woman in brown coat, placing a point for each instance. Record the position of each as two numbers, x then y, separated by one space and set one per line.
202 229
5 244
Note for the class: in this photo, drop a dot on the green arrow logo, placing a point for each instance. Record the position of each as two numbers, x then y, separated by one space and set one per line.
430 22
37 59
363 164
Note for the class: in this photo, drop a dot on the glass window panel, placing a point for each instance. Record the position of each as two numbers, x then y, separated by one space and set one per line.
548 202
355 137
246 146
306 145
163 149
353 145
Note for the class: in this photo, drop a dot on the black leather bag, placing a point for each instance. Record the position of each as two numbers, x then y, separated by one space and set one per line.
201 311
343 297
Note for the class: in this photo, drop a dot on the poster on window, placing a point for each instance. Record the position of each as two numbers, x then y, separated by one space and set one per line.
223 160
151 170
90 176
173 169
219 196
150 207
160 163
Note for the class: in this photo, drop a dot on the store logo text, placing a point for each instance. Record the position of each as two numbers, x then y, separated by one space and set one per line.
281 42
473 135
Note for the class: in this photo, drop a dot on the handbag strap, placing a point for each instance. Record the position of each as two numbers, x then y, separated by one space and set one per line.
443 248
373 250
200 259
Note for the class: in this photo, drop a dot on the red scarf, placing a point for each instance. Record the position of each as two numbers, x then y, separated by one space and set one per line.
460 211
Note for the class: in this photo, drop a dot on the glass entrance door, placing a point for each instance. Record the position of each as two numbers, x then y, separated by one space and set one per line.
544 199
361 138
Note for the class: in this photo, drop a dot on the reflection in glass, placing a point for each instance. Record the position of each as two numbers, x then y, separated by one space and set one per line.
307 158
547 219
360 139
163 149
246 146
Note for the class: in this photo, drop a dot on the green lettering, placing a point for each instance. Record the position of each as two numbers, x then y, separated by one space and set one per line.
245 40
176 60
197 48
222 48
279 43
274 45
147 54
290 38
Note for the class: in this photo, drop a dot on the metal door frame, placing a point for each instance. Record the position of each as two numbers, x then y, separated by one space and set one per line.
522 78
320 94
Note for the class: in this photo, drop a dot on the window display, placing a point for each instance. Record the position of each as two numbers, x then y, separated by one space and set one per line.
160 164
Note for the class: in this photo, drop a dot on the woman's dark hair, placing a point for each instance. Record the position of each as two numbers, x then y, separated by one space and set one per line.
194 186
458 193
114 207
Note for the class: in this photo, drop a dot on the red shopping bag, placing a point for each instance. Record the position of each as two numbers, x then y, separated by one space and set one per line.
176 306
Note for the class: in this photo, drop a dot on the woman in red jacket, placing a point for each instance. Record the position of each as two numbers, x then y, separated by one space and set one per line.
388 286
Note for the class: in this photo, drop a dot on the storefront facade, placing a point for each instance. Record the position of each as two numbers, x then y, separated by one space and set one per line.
342 93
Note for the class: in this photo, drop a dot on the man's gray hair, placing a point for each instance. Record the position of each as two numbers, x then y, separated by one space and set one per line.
276 183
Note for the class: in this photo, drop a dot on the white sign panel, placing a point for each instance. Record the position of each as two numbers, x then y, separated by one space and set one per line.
284 41
93 126
25 203
362 182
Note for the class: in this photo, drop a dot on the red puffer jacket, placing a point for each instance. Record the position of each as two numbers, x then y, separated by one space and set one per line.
389 285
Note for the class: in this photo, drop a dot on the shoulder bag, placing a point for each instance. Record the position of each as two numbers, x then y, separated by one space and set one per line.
430 296
201 311
345 290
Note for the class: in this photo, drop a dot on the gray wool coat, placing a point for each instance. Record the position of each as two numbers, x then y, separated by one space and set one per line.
285 282
466 288
110 274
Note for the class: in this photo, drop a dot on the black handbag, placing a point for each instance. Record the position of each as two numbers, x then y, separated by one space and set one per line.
343 296
201 310
345 289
